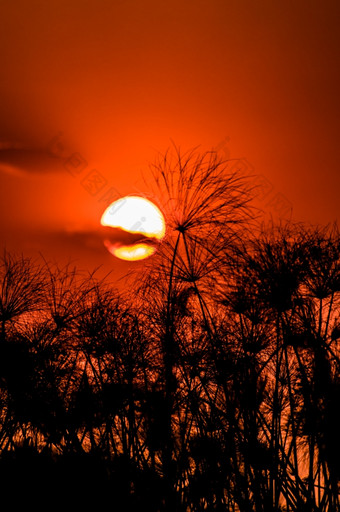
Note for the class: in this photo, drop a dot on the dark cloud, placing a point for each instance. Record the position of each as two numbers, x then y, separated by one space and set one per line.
22 160
83 248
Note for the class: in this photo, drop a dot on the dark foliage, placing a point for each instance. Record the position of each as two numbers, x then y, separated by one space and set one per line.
213 384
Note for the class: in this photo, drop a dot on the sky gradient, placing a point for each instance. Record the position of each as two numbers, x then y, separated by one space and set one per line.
92 91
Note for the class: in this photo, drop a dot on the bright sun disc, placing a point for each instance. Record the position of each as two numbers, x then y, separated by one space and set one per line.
138 216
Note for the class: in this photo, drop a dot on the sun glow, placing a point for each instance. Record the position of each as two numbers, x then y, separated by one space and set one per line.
136 216
130 253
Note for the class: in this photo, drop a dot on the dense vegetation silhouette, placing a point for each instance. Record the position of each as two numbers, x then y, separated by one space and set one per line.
210 383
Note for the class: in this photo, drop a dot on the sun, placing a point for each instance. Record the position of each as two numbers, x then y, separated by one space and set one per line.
136 225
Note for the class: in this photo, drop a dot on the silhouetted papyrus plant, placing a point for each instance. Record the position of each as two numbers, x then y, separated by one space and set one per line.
21 289
205 209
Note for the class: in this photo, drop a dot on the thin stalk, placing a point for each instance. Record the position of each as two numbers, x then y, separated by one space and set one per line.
170 505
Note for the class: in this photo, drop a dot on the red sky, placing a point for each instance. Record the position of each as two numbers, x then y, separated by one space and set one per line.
117 81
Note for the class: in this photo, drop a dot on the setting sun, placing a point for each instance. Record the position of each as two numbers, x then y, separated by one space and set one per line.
138 217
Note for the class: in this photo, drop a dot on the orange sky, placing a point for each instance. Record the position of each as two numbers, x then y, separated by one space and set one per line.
109 84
